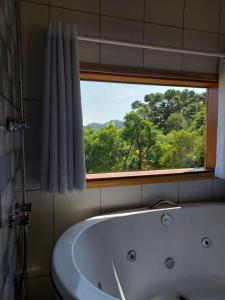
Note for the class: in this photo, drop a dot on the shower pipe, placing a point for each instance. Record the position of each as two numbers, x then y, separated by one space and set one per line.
23 283
151 47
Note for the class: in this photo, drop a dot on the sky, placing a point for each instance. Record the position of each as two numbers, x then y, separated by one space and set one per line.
105 101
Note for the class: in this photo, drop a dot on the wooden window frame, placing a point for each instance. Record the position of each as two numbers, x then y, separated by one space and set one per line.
107 73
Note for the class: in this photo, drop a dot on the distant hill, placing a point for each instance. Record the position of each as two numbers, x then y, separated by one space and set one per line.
118 124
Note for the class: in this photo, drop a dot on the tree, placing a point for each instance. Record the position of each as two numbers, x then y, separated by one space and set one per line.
182 149
167 130
141 135
103 149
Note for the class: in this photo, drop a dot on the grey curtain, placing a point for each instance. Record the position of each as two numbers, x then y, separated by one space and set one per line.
62 163
220 152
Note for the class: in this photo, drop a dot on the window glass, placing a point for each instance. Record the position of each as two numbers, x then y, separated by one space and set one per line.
130 127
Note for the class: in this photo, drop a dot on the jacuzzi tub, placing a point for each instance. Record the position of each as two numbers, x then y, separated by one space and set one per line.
134 256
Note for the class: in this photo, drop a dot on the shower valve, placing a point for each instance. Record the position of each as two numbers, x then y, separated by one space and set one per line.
19 220
20 208
14 124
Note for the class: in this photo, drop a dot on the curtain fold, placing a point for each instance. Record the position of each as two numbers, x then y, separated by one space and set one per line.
62 161
220 152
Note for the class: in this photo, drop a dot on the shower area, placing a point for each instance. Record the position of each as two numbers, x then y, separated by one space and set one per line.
130 38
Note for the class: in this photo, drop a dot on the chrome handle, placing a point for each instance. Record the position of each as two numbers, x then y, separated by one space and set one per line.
161 202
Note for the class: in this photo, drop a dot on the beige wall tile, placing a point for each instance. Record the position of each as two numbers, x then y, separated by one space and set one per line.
124 9
195 63
195 191
85 5
34 23
89 52
40 288
123 30
202 15
219 190
39 1
162 60
163 35
203 41
164 12
120 198
152 193
123 56
222 17
40 233
75 207
87 24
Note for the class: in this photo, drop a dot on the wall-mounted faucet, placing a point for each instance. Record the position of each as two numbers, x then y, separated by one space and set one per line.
19 220
21 215
14 124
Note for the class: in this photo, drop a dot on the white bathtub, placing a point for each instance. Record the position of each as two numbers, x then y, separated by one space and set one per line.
182 260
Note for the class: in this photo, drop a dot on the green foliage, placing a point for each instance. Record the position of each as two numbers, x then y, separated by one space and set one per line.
165 131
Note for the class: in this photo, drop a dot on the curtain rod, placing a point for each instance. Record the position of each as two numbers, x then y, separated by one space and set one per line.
147 46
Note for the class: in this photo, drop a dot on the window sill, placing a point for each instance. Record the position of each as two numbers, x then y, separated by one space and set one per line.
144 177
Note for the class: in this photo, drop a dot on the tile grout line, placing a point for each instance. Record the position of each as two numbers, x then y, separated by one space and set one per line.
182 56
125 19
143 50
218 38
100 30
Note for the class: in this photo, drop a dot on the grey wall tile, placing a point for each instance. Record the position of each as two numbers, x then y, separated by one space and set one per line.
164 12
40 288
5 164
85 5
195 191
4 257
8 112
75 207
152 193
202 15
34 22
218 190
6 291
120 198
33 112
40 233
124 9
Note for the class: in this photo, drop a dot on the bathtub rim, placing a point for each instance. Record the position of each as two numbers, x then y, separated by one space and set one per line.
76 230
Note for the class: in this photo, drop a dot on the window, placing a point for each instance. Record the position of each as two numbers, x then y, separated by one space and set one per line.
142 126
136 127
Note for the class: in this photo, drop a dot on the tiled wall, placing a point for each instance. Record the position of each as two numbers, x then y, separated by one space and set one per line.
189 24
11 250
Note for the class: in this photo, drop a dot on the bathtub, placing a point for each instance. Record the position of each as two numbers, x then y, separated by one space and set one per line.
161 254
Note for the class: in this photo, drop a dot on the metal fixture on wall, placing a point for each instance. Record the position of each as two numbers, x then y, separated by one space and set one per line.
151 47
14 124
